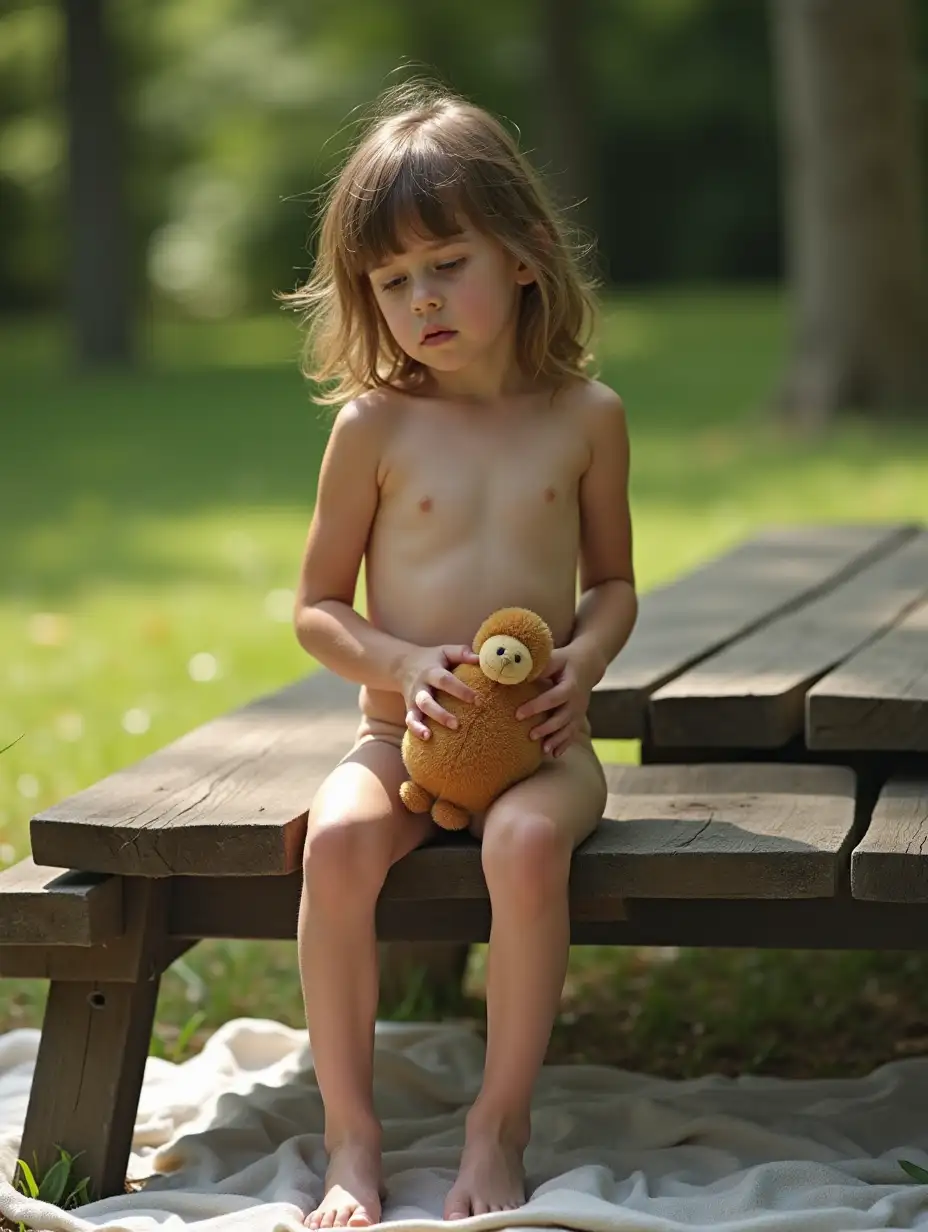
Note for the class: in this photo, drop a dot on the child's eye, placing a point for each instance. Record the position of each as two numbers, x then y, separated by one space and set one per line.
449 265
392 284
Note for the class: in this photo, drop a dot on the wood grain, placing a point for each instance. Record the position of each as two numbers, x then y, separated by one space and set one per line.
697 615
40 905
228 798
91 1059
890 864
752 693
878 698
746 831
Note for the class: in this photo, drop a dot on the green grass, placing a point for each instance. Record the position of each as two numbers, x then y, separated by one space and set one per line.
153 524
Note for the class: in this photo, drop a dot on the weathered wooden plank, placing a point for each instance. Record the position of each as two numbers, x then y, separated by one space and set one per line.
750 831
231 797
91 1058
890 864
698 614
40 905
878 698
89 1068
715 831
752 693
787 923
756 830
797 923
212 907
106 962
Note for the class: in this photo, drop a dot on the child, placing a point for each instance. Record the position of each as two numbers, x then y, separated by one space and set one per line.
472 466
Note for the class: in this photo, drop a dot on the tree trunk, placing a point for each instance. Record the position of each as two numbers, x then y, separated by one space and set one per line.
99 292
566 100
854 222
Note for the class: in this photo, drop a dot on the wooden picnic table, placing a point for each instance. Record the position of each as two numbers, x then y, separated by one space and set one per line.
780 695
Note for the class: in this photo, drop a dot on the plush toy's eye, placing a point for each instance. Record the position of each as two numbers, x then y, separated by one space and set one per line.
499 650
518 658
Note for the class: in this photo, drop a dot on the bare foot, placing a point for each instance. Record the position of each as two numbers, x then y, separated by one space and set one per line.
353 1187
491 1178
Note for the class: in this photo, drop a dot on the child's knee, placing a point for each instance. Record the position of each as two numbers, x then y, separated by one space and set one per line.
526 854
341 858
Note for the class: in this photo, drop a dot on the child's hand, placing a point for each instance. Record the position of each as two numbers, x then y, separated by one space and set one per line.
430 668
568 699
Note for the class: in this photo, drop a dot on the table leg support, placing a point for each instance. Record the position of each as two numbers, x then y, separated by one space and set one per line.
95 1040
88 1076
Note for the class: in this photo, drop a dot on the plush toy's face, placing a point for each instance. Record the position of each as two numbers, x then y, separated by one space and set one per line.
505 659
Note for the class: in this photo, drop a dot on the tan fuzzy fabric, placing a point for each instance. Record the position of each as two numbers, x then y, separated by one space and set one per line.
490 750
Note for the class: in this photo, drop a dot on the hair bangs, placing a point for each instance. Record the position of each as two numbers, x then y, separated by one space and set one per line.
422 195
429 164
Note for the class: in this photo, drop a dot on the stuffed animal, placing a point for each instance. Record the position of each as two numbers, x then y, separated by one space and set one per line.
455 774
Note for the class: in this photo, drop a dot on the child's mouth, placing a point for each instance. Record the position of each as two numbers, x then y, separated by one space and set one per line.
443 335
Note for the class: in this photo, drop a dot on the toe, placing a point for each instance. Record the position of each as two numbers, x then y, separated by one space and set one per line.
360 1218
457 1207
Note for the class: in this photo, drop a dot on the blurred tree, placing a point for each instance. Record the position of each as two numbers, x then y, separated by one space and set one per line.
568 108
98 229
231 115
854 212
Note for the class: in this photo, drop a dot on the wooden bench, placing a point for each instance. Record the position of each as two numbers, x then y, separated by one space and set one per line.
53 905
763 814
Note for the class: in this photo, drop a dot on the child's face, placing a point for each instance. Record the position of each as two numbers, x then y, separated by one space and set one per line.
466 286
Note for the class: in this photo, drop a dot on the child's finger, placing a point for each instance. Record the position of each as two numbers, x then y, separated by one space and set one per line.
434 709
556 744
556 747
555 665
558 720
416 724
449 683
460 654
548 700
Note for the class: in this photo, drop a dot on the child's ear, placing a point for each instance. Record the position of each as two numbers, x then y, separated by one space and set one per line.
525 273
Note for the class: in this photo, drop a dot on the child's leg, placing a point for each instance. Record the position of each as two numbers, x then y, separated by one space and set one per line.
529 835
357 829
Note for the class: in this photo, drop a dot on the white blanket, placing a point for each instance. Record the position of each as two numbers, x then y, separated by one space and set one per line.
236 1133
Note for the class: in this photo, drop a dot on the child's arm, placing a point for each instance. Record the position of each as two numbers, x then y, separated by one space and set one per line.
608 604
326 624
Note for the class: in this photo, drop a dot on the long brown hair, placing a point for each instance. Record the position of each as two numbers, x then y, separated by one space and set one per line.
426 158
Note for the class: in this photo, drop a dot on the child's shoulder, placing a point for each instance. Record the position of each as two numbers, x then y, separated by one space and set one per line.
373 414
597 396
594 402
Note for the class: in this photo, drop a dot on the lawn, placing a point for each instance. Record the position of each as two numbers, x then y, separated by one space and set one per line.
153 526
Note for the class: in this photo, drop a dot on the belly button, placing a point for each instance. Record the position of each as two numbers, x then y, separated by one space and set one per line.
426 504
550 494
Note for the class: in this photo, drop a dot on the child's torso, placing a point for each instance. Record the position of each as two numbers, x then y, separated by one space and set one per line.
478 510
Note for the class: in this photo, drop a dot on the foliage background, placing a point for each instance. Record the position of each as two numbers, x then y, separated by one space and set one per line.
231 112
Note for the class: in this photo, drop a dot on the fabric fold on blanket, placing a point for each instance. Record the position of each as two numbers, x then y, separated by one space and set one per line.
232 1139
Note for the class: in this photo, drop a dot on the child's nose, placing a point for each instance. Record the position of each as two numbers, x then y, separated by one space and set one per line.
425 299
